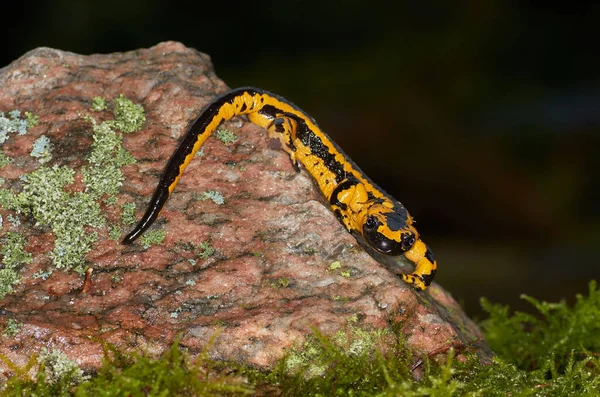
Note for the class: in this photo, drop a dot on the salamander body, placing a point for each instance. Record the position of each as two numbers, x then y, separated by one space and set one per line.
358 203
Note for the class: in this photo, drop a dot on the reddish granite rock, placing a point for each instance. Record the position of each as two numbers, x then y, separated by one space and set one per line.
269 280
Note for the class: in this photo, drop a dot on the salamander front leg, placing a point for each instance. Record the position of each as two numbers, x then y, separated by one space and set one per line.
425 266
283 131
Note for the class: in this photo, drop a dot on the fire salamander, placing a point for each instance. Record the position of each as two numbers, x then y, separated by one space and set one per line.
359 204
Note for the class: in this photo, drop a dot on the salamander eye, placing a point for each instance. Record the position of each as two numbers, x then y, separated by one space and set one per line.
408 240
371 222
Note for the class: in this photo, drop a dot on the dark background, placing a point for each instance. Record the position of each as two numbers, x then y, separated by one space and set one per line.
483 118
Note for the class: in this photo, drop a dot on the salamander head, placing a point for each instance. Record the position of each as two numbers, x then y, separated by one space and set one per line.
388 228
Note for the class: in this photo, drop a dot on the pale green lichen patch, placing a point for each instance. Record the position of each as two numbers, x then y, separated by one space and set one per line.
335 265
281 282
114 233
43 274
14 257
42 149
128 213
67 214
152 237
104 176
12 123
31 119
226 136
129 117
4 159
214 196
11 328
205 250
45 197
14 220
59 368
98 104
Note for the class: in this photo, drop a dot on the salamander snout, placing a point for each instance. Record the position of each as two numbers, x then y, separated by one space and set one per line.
378 235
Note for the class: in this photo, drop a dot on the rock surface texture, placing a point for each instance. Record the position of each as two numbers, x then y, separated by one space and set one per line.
278 263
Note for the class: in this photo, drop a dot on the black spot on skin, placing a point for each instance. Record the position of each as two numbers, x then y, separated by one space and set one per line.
278 123
342 206
396 221
347 184
429 255
428 278
338 213
244 107
318 149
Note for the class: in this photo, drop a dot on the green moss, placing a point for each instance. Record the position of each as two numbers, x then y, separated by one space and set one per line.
553 334
129 117
226 136
347 363
152 237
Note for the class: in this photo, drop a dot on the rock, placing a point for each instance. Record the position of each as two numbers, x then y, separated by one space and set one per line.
269 277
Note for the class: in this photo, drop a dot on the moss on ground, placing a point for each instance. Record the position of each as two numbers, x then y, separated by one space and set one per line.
536 356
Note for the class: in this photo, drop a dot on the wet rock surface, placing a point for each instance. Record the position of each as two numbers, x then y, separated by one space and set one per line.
260 269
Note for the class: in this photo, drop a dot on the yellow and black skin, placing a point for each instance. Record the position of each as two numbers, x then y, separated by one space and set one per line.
359 204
